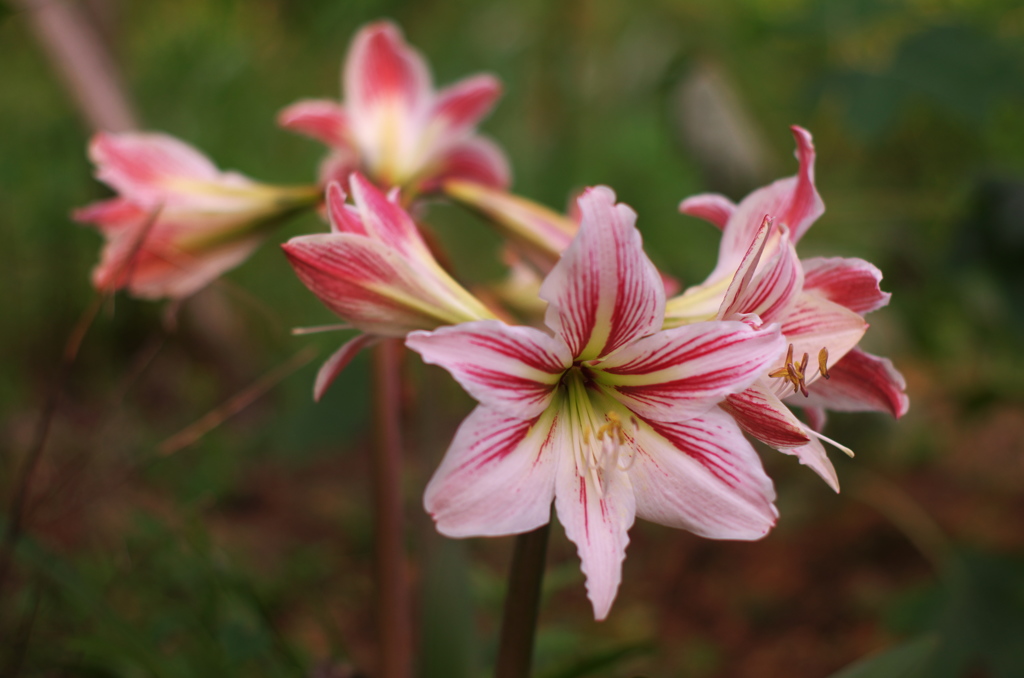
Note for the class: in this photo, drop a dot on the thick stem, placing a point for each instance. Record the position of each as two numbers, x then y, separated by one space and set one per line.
522 604
394 609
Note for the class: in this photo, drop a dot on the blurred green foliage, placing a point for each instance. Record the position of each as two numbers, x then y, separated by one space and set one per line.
916 107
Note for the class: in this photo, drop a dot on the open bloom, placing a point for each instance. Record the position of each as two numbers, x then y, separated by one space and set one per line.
178 222
612 417
375 271
820 304
394 127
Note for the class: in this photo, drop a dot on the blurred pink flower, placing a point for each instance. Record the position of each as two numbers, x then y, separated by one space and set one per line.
394 127
612 417
375 271
819 303
178 222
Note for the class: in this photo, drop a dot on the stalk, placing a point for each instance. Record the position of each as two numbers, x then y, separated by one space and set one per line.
522 604
394 609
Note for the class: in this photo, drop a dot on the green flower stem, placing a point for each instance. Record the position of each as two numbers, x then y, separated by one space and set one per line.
522 604
394 608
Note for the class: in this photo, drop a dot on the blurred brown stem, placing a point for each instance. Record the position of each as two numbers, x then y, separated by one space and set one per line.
522 604
80 57
23 486
394 609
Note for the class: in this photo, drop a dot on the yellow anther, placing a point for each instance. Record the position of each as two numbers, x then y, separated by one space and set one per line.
793 374
823 363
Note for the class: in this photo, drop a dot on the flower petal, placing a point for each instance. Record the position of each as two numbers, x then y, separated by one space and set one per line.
151 169
597 519
680 373
861 382
382 69
605 292
793 202
338 361
476 159
814 324
805 205
323 120
497 477
853 283
386 221
113 215
703 476
511 369
761 414
367 283
711 207
813 456
388 92
159 273
459 107
772 291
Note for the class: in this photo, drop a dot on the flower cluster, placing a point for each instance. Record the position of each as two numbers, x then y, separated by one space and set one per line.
620 399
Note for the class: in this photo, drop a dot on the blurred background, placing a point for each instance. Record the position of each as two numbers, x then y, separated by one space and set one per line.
247 553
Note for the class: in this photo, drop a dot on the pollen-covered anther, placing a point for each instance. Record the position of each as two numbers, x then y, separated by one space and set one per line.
823 363
793 374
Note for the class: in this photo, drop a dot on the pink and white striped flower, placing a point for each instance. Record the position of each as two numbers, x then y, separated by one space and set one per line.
178 222
612 417
819 303
394 127
375 271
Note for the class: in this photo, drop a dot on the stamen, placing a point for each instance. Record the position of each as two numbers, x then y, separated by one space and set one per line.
823 363
803 373
603 449
796 375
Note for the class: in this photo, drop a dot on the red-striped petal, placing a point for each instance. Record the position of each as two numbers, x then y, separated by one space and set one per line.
770 293
511 369
813 324
680 373
366 283
382 68
761 414
853 283
703 476
861 382
793 202
605 292
497 477
338 361
386 221
597 519
711 207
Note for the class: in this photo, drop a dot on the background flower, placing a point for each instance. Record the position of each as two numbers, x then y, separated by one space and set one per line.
394 127
178 222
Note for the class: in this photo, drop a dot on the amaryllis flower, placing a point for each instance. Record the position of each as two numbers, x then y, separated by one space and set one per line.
375 271
612 417
819 303
178 222
394 127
